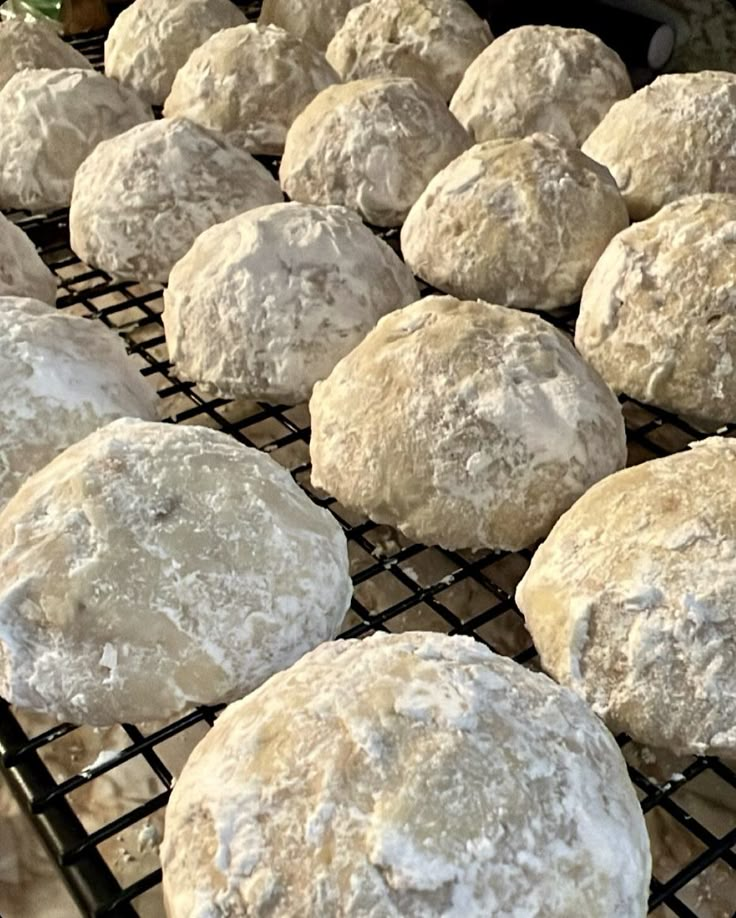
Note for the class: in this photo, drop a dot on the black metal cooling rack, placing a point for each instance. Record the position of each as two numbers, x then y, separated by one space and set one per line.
398 586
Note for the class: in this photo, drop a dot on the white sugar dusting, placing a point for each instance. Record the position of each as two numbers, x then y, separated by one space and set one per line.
314 793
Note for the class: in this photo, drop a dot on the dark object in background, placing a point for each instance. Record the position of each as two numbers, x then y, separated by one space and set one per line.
84 16
644 44
68 17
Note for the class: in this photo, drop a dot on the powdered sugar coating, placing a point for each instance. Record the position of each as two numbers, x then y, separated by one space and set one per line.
520 222
141 199
673 138
464 425
316 21
658 313
631 600
291 288
432 41
29 45
63 377
250 83
151 40
371 145
152 567
313 796
52 120
22 271
540 78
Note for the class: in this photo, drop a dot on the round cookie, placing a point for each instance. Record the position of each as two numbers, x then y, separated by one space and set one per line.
63 377
673 138
250 83
432 41
371 145
151 40
28 45
464 425
631 600
52 120
141 199
22 272
316 21
540 78
658 313
291 288
342 787
153 567
519 222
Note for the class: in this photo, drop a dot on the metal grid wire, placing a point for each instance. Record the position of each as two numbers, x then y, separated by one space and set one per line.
398 586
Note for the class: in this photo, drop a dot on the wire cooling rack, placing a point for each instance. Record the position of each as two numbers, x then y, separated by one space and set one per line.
110 866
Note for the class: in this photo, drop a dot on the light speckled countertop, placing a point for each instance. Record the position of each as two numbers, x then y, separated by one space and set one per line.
711 44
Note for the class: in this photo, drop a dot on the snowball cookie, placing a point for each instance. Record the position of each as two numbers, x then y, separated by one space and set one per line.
22 272
152 567
63 377
29 45
291 288
407 775
673 138
250 83
141 199
519 222
631 601
464 425
371 145
432 41
540 78
52 120
152 39
316 21
658 313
